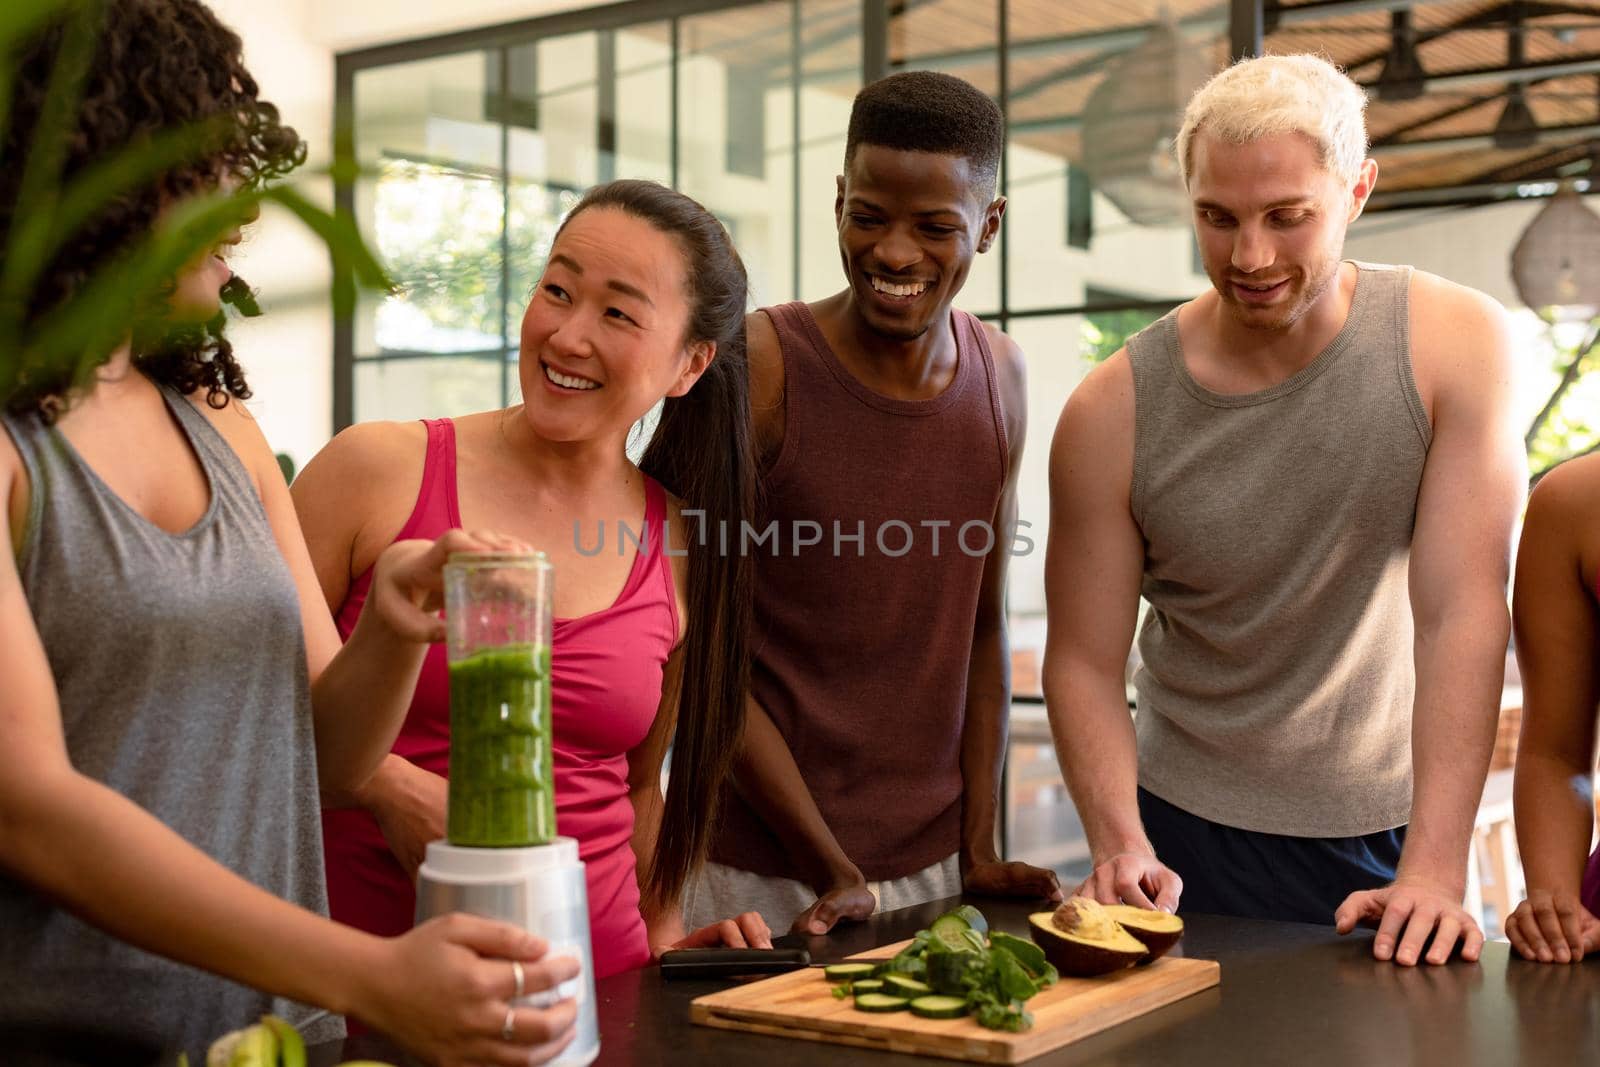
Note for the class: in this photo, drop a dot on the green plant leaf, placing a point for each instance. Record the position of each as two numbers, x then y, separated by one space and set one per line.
76 335
18 19
344 243
39 189
21 17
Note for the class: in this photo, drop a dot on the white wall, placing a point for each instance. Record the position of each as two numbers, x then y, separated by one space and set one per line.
288 352
349 24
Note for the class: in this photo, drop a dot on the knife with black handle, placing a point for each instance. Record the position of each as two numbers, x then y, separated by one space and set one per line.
731 962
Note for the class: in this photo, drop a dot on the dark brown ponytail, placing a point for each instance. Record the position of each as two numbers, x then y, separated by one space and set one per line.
701 452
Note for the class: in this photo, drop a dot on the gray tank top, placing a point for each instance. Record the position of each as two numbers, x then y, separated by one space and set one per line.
181 669
1275 693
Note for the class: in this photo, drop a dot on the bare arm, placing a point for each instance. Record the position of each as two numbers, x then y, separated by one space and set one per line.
1467 504
769 780
352 499
1093 568
1554 615
1466 508
765 772
1557 631
988 707
766 385
171 898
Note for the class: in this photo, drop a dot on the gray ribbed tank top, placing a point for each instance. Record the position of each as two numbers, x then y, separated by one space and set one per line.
1275 693
181 670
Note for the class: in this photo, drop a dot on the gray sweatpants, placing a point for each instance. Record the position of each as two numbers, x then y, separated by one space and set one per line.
721 892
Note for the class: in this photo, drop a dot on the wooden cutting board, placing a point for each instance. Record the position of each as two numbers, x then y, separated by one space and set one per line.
801 1004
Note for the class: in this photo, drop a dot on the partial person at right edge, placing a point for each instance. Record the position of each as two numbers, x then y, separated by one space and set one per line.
1311 474
890 431
1557 619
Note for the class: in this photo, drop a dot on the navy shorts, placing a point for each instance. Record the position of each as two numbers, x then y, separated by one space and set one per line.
1228 871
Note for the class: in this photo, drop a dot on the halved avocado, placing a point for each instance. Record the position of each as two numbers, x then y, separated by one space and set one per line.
1157 930
1083 941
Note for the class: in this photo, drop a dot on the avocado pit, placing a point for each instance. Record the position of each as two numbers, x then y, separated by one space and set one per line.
1083 940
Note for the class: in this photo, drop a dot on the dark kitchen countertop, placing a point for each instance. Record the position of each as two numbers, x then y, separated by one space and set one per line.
1290 994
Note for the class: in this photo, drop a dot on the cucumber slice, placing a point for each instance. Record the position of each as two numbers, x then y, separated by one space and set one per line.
880 1002
937 1007
951 929
974 918
867 985
947 970
900 985
848 972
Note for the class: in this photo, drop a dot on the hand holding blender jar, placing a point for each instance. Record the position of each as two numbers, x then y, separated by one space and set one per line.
501 857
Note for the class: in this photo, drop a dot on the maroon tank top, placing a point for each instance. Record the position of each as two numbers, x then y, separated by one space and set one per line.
862 639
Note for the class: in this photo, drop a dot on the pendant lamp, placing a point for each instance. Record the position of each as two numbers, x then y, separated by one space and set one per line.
1131 119
1556 261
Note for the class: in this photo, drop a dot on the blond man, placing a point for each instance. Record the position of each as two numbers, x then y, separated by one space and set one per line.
1311 474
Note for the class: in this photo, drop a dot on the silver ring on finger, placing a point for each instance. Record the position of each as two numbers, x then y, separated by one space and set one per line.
518 978
510 1024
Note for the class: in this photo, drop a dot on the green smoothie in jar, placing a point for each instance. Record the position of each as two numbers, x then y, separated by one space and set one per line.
498 631
502 783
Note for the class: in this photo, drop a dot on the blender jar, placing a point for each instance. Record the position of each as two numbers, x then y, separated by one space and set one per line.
497 620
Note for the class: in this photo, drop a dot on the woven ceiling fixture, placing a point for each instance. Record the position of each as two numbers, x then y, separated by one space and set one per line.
1131 119
1556 262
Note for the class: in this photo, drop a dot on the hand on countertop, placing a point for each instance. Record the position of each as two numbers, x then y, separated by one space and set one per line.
1136 878
1406 915
1553 927
748 930
851 900
1011 878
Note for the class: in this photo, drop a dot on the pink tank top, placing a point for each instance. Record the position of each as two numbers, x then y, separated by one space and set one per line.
605 686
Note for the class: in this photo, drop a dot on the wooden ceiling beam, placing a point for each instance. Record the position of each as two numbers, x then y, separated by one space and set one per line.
1574 133
1542 163
1321 10
1464 195
1483 19
1390 136
1512 73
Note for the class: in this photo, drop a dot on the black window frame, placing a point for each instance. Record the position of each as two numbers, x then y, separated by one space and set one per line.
1244 19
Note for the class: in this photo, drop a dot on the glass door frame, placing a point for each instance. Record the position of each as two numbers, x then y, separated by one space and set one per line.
499 38
1244 19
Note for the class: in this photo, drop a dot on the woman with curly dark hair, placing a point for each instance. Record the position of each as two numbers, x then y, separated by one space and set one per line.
174 689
